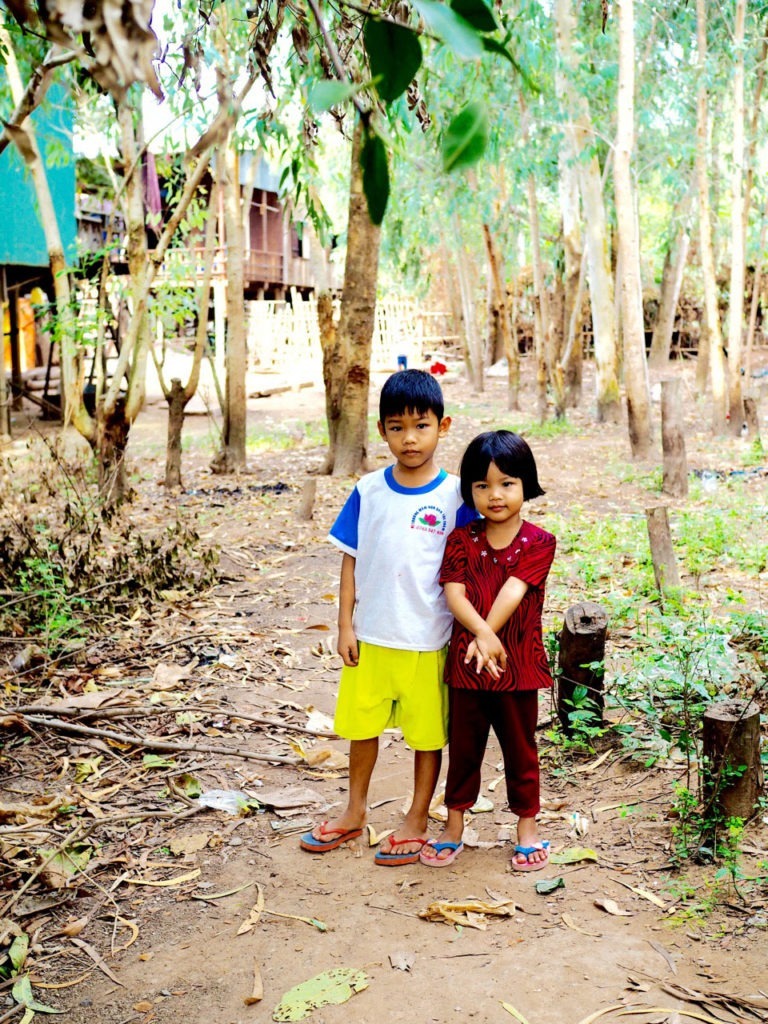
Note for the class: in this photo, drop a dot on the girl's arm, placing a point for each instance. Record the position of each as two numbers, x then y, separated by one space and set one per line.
486 648
506 603
347 643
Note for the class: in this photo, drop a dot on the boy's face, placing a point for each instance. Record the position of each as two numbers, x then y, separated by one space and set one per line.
412 436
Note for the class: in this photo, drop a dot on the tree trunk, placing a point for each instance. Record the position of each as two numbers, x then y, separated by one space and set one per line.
112 430
500 302
736 305
635 368
662 552
231 455
465 276
177 401
675 474
669 294
570 359
356 323
711 335
73 409
557 332
597 236
333 372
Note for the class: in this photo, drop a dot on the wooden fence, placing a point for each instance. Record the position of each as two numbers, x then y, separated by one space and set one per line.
284 337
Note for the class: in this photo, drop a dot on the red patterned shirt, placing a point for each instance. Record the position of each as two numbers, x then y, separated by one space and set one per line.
469 559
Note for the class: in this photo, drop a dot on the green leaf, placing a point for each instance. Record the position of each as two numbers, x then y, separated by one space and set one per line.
22 993
394 54
477 13
18 951
326 94
455 31
494 46
548 885
465 137
573 855
373 160
329 988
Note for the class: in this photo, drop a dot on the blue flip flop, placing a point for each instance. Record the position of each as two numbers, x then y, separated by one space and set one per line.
526 851
442 862
309 842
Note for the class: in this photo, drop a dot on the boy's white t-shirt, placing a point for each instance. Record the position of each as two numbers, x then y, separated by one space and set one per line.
397 536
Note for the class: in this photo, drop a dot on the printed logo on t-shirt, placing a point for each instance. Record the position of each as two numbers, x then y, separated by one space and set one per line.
429 518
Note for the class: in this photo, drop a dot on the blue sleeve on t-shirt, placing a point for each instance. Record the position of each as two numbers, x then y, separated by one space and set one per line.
344 530
465 515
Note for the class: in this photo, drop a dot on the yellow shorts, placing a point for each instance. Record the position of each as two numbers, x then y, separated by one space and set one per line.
394 689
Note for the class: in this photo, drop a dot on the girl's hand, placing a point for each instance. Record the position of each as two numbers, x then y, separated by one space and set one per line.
347 646
487 651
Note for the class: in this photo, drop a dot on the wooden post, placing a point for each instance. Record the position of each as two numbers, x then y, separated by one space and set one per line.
675 476
662 553
305 509
582 645
751 416
731 741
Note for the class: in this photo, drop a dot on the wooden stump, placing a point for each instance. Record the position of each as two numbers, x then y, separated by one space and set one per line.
662 553
731 741
752 417
306 504
675 471
582 644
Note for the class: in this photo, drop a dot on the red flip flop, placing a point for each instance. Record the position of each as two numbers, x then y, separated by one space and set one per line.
390 859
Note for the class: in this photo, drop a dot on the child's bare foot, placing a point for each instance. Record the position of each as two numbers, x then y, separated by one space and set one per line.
404 845
445 849
329 835
531 853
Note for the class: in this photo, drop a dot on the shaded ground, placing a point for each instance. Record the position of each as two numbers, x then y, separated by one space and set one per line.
260 644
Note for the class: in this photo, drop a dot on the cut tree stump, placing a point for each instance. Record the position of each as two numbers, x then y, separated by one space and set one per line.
582 644
731 741
675 466
662 553
307 502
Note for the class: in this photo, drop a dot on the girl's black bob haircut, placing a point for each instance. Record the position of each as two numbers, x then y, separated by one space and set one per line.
411 390
511 454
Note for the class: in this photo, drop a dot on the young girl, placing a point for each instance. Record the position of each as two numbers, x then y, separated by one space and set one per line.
493 573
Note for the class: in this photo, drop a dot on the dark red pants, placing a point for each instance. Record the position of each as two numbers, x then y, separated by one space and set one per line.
512 716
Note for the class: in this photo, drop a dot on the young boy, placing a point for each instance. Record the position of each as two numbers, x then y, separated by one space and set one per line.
394 623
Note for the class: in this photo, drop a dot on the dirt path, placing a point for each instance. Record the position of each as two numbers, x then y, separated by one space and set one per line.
555 959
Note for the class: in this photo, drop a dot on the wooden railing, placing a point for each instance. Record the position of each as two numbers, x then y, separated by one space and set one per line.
266 268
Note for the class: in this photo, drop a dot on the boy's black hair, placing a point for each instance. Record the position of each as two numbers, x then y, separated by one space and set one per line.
511 454
411 390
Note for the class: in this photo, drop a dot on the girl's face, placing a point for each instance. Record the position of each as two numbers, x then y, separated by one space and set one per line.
498 497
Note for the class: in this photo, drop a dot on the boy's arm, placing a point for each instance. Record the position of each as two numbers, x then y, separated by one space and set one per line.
347 642
486 648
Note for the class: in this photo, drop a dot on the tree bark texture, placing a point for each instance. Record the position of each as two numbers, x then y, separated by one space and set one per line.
738 255
669 295
597 236
177 401
582 646
635 367
570 359
733 773
232 454
711 334
662 552
73 408
675 473
501 306
356 323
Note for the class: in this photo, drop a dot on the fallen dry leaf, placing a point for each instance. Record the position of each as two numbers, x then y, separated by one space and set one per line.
257 990
611 907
